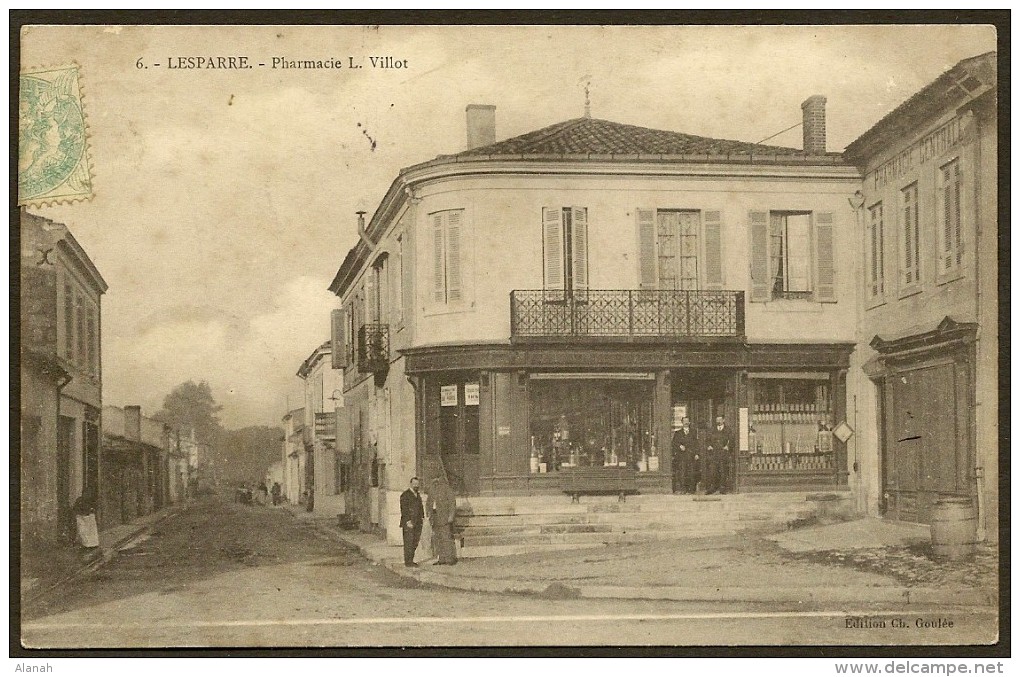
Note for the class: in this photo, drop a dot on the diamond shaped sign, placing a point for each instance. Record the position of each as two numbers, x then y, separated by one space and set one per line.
843 432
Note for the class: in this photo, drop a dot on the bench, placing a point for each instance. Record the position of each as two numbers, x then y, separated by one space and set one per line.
577 481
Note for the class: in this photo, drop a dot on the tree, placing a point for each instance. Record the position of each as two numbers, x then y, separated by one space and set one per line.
247 453
192 405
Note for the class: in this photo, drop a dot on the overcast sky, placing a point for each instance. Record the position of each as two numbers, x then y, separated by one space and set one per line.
225 200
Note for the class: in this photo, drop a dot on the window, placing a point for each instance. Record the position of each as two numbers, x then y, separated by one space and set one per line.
447 264
398 283
565 248
910 253
678 249
69 323
92 342
875 255
79 313
349 334
790 423
950 233
792 256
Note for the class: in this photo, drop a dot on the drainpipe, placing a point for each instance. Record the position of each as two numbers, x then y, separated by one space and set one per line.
857 204
979 471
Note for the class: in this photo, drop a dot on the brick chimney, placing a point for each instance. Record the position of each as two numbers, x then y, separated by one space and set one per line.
133 422
814 124
481 125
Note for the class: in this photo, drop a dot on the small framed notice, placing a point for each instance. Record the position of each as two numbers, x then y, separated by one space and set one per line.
471 394
744 425
448 396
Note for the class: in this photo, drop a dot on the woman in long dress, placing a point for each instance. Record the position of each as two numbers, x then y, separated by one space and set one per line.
443 508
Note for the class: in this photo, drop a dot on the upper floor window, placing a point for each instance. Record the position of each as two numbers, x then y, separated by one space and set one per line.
447 256
397 311
875 254
949 217
910 249
565 248
69 323
792 256
679 249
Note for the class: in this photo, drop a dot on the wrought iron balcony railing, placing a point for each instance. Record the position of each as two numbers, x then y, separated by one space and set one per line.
626 313
374 347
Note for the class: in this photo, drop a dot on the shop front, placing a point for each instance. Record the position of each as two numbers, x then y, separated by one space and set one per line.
520 421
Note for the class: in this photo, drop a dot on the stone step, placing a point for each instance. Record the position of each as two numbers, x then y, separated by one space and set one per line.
680 517
538 540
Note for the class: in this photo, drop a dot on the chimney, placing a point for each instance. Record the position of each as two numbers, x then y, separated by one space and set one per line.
133 422
481 125
814 124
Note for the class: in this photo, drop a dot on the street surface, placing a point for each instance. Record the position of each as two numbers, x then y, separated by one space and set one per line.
222 574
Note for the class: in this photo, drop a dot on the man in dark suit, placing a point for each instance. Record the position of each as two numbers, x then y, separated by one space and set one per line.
412 515
686 459
717 451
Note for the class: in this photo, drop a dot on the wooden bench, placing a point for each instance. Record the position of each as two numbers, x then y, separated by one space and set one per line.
620 481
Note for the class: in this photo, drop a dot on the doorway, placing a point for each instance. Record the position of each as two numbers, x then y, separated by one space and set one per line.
65 443
458 434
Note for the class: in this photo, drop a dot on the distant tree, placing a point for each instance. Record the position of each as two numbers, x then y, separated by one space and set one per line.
192 405
247 453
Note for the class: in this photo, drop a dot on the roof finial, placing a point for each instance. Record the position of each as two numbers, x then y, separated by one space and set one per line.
587 101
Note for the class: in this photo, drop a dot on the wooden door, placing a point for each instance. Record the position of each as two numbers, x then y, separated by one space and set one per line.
458 435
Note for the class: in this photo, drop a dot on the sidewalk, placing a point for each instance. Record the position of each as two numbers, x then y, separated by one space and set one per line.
861 562
43 569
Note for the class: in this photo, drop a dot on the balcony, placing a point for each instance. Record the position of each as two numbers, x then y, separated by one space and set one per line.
630 314
374 348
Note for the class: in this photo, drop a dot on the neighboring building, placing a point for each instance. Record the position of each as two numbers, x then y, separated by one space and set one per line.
274 475
178 467
293 456
61 377
136 465
559 299
925 371
328 469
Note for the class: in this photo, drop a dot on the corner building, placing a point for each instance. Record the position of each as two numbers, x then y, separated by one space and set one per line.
556 302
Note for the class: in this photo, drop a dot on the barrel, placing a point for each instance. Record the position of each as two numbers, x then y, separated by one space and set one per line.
954 528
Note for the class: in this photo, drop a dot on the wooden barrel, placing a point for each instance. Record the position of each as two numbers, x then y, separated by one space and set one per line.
954 528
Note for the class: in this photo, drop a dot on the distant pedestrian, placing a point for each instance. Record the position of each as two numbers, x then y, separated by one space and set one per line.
412 514
277 492
443 509
262 497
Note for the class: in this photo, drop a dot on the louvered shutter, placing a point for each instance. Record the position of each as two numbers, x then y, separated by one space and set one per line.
825 259
713 250
371 298
438 260
760 280
454 264
647 256
579 248
337 344
552 247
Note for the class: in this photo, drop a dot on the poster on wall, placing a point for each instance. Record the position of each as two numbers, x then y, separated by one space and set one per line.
448 396
471 394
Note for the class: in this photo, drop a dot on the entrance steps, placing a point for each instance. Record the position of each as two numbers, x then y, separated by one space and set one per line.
554 522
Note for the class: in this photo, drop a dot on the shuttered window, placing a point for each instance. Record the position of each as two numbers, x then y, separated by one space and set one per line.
447 256
910 245
875 253
678 249
950 216
564 250
792 256
338 345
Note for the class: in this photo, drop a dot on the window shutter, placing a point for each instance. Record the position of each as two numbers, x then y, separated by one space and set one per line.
552 246
647 255
760 280
579 249
371 304
338 347
438 260
825 260
713 250
454 284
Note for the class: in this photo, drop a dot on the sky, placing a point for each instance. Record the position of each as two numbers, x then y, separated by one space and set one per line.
225 200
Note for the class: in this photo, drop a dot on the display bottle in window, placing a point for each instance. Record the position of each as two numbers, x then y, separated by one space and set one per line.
534 456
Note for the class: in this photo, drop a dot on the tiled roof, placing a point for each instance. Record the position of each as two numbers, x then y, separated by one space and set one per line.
593 136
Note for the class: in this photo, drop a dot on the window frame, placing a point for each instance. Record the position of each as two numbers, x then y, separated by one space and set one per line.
433 305
957 250
786 294
909 251
570 285
874 255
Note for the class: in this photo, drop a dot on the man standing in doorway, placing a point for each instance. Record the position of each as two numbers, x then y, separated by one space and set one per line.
686 459
717 454
412 515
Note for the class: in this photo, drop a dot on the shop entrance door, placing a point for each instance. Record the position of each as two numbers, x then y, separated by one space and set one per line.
458 435
704 394
65 442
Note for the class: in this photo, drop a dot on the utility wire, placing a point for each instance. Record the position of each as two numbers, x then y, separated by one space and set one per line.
782 132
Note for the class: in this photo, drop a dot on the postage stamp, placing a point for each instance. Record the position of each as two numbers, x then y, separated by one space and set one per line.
53 152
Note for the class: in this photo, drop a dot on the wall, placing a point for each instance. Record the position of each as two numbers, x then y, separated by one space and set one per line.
39 509
502 245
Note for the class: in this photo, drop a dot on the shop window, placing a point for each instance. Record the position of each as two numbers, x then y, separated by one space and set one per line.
791 423
591 423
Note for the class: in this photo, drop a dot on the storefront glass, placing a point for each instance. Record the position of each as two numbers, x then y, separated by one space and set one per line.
791 424
592 422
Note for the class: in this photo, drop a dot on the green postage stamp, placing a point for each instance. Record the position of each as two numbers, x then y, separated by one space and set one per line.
53 153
